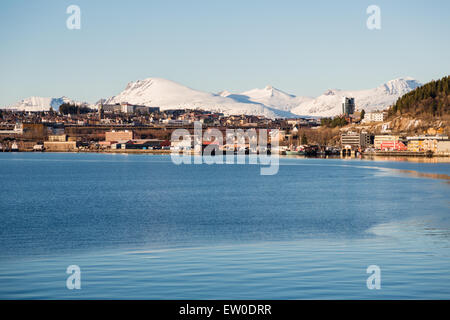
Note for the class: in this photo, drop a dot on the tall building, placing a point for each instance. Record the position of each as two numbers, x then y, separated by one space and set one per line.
100 111
348 106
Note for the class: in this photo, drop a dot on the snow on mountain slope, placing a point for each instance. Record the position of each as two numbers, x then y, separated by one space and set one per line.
380 98
269 96
167 94
269 101
42 103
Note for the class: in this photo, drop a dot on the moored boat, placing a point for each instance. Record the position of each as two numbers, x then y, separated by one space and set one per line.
295 153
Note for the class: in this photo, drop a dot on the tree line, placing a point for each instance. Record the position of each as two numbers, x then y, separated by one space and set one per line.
333 122
67 108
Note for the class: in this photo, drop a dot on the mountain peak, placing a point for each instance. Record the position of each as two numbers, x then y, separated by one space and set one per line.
167 94
379 98
330 92
400 86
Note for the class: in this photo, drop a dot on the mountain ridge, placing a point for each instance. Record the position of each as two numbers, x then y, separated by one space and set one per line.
35 103
268 101
379 98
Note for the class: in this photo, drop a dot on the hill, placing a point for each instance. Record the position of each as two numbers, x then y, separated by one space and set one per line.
431 100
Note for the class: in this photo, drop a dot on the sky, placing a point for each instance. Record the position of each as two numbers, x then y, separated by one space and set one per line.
301 47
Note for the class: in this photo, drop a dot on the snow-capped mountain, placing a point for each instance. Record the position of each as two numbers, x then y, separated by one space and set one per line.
42 103
269 96
269 101
380 98
168 94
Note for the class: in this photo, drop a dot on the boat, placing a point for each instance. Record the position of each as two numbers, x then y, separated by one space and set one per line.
14 147
296 151
311 150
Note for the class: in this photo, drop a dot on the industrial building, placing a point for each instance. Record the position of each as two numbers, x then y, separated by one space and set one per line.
142 144
61 143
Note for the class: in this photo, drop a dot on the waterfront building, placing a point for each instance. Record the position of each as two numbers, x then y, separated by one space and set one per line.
443 147
61 146
426 143
356 140
61 143
14 146
38 147
142 144
187 143
389 143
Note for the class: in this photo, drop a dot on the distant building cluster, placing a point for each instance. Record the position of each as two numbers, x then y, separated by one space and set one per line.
120 126
437 144
132 127
127 109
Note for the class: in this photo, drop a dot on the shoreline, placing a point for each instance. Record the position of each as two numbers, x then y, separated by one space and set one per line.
381 156
141 151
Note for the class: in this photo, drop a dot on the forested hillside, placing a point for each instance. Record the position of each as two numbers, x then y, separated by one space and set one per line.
430 100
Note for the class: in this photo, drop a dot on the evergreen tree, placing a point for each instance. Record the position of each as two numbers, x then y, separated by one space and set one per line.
304 140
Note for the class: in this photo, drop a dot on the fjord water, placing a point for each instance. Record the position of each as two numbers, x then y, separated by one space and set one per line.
140 227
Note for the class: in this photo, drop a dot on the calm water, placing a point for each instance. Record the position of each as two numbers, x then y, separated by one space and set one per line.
141 227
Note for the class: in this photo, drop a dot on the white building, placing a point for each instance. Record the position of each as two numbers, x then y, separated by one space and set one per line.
126 108
374 117
176 122
18 129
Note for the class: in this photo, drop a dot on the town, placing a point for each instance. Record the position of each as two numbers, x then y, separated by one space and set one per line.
140 129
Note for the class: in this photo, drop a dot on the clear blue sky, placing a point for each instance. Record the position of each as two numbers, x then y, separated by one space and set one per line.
302 47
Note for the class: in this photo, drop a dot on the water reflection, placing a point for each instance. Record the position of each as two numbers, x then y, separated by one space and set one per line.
375 158
418 174
409 159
